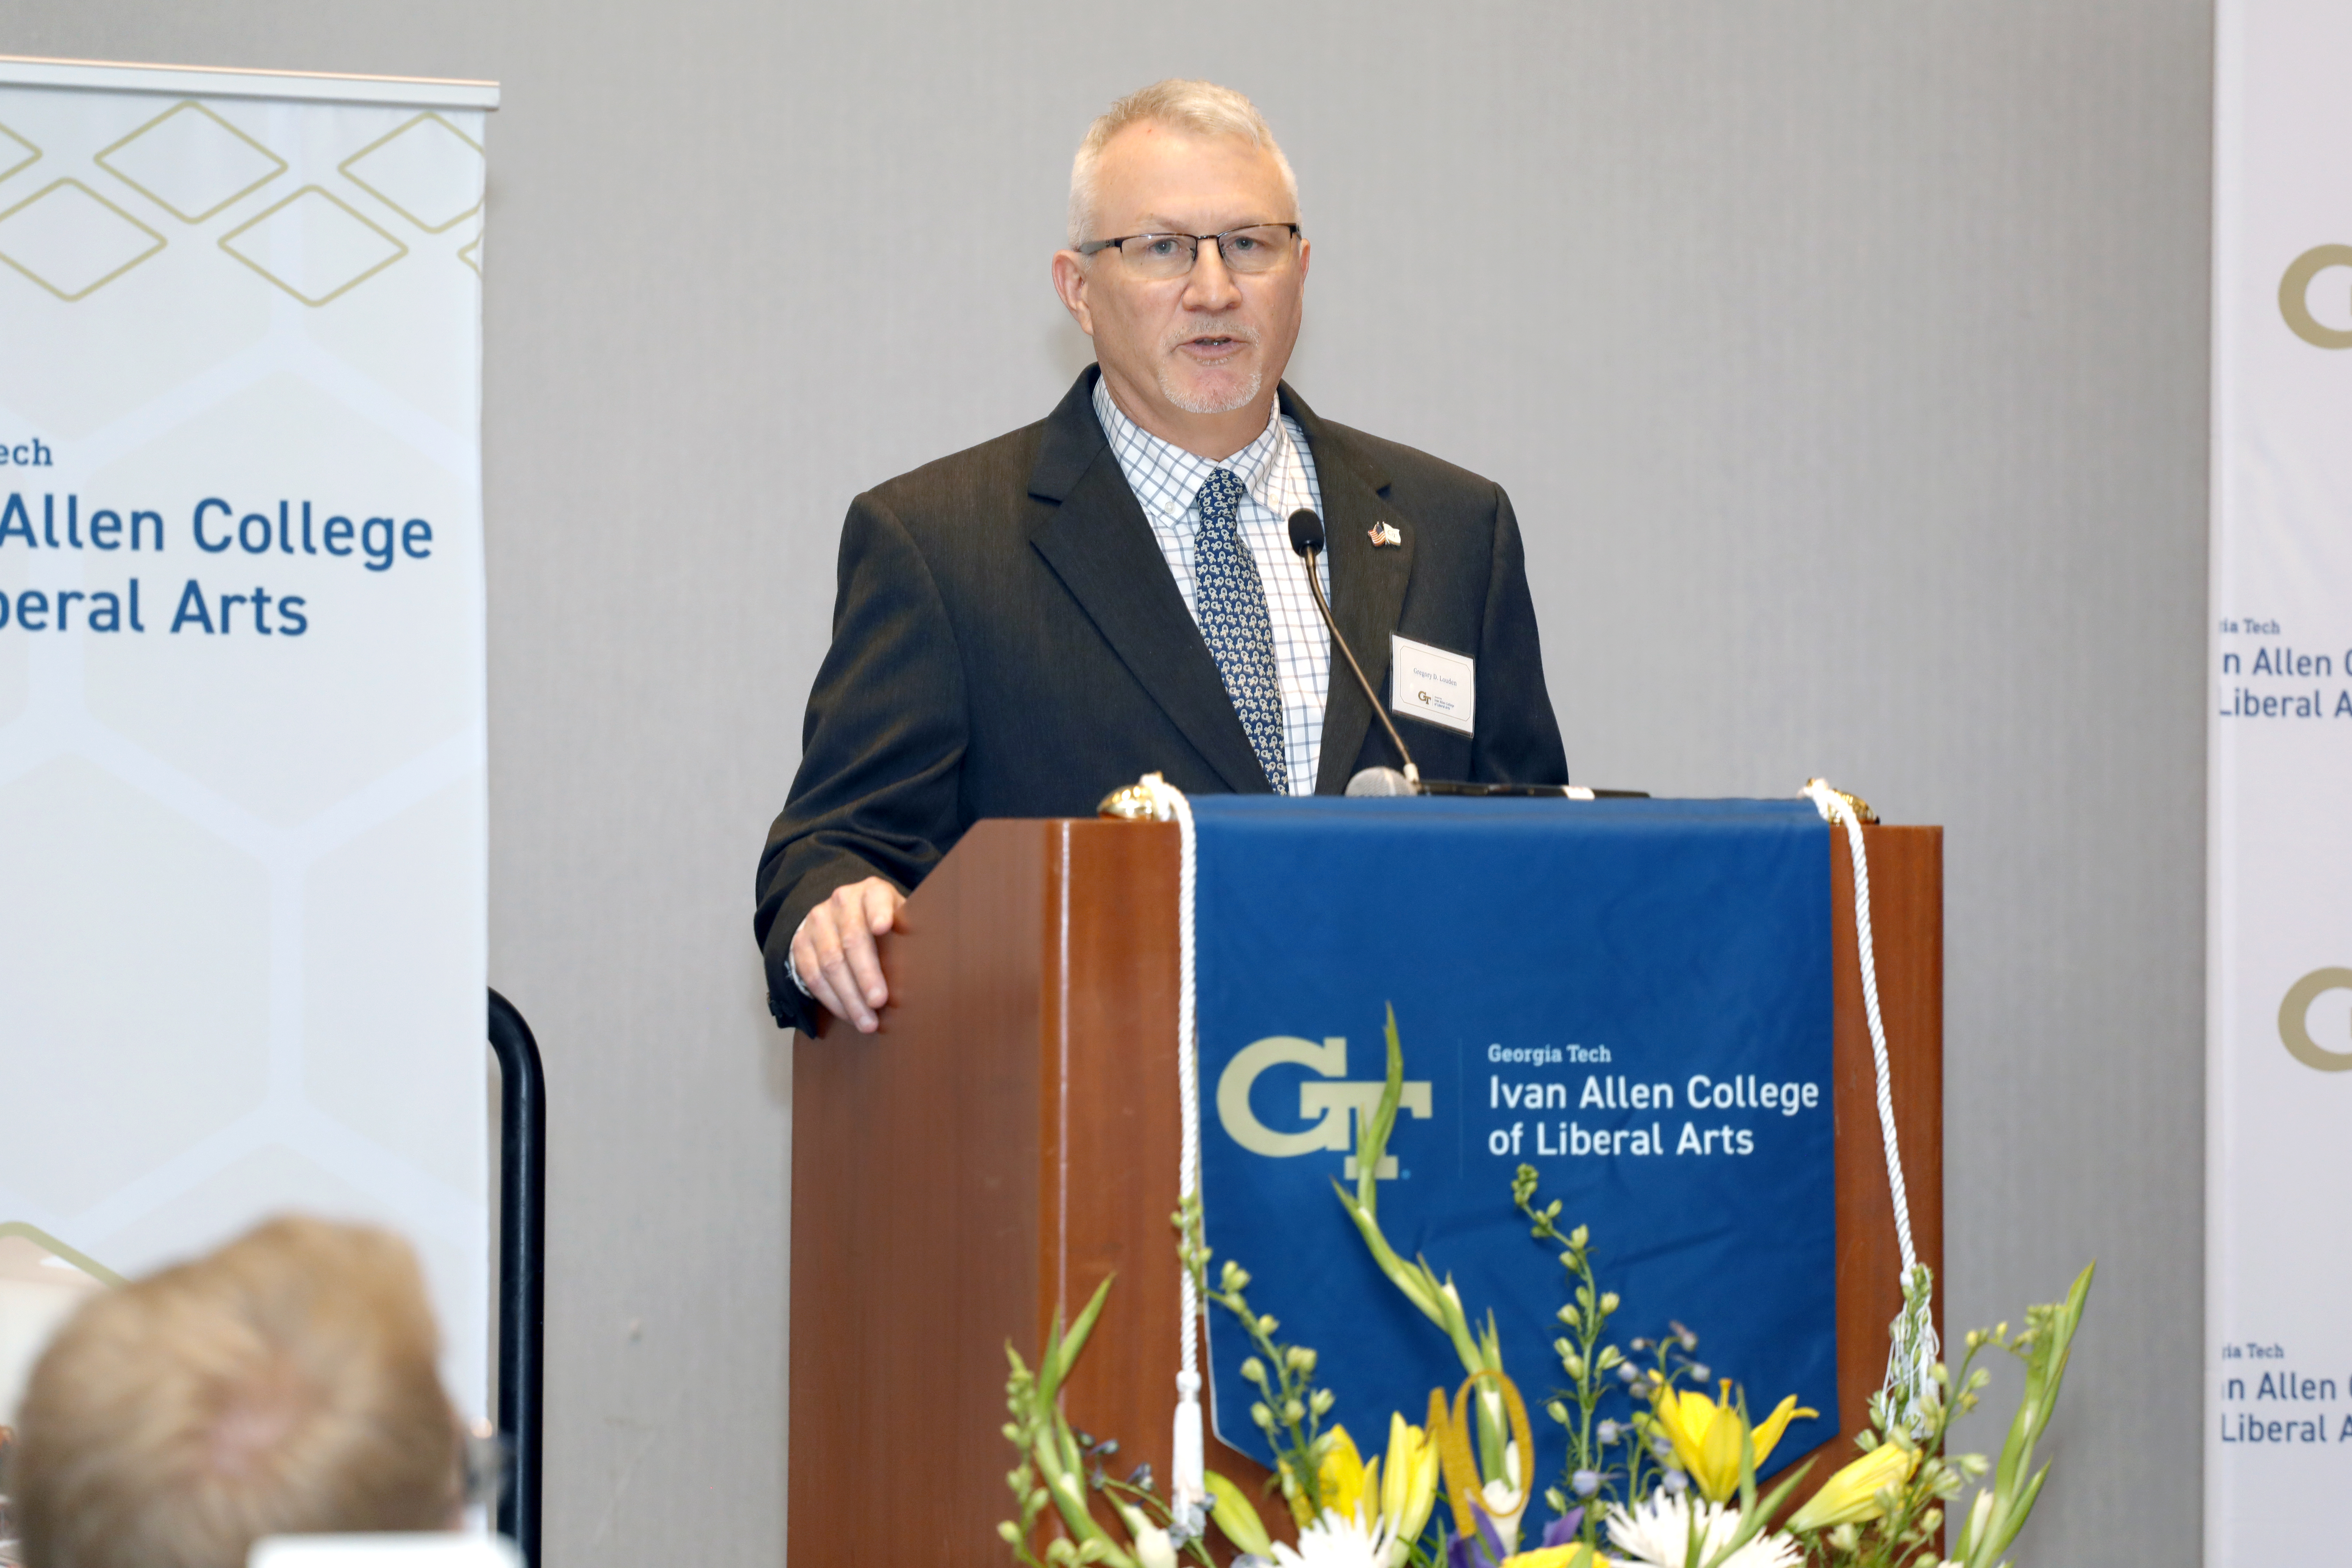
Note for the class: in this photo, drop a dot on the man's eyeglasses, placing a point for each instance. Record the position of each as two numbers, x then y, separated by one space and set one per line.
1261 247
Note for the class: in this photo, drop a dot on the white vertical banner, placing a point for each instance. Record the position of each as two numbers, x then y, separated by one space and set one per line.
243 871
2278 1436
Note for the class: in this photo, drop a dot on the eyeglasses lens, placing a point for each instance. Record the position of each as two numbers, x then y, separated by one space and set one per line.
1244 250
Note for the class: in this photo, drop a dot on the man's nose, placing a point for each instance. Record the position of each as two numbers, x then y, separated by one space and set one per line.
1209 287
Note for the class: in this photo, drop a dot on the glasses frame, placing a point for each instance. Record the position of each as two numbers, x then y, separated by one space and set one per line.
1094 247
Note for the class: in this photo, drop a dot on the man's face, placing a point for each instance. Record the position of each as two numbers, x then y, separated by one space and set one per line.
1199 355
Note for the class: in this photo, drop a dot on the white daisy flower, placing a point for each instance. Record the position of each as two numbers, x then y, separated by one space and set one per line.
1658 1533
1332 1541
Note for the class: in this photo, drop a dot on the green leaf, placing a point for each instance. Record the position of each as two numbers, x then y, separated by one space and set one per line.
1372 1139
1236 1516
2003 1527
1752 1518
1780 1494
1069 1346
1403 1275
2053 1341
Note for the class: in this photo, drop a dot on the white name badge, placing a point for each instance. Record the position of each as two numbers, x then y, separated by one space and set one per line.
1430 684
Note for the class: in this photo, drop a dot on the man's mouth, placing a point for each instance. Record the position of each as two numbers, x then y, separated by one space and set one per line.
1213 345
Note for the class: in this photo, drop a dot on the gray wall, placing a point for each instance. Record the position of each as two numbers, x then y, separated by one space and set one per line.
1847 365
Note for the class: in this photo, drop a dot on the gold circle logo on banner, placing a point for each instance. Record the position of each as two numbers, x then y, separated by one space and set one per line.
2294 303
2296 1011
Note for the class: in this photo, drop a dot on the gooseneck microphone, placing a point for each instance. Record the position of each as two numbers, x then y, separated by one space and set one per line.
1306 538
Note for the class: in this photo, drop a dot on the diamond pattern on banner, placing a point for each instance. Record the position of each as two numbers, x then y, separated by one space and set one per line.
16 154
428 172
1235 624
72 241
313 245
190 163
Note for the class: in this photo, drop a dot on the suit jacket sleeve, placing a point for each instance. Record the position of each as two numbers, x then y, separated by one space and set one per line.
1517 737
881 748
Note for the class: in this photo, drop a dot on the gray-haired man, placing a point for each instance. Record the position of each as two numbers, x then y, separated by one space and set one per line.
1027 624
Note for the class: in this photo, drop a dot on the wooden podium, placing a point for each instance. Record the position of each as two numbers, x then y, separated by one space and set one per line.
1008 1137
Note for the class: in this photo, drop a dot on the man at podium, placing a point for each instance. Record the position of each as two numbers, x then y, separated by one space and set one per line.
1025 626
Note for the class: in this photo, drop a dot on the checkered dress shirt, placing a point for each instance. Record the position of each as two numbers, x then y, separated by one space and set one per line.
1277 473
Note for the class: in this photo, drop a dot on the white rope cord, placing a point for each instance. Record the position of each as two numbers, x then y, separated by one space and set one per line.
1188 1483
1911 1357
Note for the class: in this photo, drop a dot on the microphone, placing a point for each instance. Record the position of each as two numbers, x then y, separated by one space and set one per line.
1306 538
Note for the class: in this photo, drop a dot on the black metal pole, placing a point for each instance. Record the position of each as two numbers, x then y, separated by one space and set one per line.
523 1269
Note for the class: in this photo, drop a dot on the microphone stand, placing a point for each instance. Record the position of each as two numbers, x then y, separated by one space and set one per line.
1306 538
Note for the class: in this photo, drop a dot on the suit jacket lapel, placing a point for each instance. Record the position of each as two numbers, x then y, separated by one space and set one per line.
1093 535
1368 584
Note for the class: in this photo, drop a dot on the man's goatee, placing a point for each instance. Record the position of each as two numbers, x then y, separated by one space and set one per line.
1190 403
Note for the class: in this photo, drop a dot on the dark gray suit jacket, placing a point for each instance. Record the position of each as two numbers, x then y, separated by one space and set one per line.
1008 641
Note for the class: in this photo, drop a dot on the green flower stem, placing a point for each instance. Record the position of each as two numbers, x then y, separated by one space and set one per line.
1052 1468
1290 1409
1910 1516
2047 1342
1437 1299
1154 1507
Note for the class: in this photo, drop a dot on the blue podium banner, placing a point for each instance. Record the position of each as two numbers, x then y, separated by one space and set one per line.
1632 996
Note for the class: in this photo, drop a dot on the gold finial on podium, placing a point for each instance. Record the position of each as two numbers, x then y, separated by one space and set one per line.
1861 807
1134 803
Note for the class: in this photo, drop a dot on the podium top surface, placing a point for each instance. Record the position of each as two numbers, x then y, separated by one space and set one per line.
1308 812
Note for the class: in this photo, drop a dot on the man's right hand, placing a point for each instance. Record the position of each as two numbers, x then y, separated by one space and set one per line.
835 955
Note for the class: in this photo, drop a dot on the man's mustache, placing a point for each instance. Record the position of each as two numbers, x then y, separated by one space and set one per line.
1236 333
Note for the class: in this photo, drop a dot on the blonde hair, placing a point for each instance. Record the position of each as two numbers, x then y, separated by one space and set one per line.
283 1386
1201 106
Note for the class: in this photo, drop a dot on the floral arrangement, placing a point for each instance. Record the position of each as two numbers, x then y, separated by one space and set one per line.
1672 1484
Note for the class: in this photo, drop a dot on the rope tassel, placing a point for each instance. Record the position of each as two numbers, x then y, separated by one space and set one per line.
1911 1358
1188 1487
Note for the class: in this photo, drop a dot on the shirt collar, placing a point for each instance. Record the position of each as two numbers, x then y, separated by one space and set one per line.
1139 451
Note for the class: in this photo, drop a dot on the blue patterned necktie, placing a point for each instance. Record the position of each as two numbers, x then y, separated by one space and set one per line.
1231 603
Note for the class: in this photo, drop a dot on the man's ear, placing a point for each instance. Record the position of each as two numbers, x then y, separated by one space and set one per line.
1070 282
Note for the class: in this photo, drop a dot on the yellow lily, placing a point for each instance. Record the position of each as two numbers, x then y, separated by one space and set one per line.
1706 1435
1503 1498
1549 1557
1345 1480
1851 1496
1408 1480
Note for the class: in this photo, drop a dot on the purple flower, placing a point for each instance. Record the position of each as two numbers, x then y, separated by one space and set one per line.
1484 1550
1463 1552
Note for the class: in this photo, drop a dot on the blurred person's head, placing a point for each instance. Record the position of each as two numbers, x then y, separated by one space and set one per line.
285 1385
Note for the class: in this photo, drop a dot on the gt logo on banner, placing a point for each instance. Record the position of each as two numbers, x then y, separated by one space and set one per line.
1337 1110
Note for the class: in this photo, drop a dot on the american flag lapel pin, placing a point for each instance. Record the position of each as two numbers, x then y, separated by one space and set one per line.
1384 533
